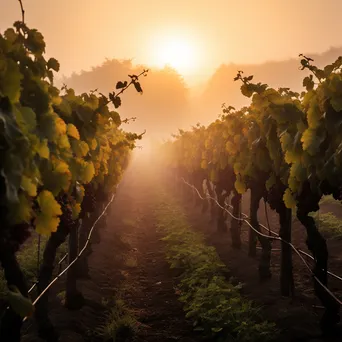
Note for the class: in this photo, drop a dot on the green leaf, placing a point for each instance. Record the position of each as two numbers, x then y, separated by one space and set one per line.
138 87
53 64
121 85
246 90
12 175
328 70
10 80
116 101
35 42
26 119
116 117
320 74
20 304
308 83
11 35
29 186
42 149
216 330
336 103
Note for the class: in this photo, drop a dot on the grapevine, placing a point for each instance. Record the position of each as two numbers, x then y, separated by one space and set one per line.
284 147
58 149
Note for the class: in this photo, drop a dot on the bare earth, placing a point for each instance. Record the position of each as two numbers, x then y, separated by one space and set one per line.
128 257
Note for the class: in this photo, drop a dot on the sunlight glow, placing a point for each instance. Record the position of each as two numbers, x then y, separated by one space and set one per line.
178 52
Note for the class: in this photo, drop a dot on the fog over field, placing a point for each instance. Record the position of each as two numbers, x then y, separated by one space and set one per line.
169 103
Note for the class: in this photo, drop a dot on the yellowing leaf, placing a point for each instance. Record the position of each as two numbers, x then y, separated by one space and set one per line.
290 157
47 220
72 131
80 148
61 166
286 141
48 204
213 175
45 225
93 144
240 185
60 126
63 142
42 149
204 164
88 172
289 200
76 209
29 186
314 114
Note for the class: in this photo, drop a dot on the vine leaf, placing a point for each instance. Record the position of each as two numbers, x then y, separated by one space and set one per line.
121 85
53 64
138 87
20 304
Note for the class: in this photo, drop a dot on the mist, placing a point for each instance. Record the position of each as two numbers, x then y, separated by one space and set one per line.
168 103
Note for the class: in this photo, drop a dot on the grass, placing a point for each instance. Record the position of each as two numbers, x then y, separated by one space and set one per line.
330 200
28 261
61 296
329 224
119 323
214 304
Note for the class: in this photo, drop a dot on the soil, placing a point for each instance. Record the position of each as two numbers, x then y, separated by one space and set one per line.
298 317
128 260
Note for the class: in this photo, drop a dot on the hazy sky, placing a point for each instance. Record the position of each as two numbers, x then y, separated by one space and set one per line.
194 35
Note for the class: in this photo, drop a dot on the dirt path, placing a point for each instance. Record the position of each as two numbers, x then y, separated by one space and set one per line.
129 262
149 283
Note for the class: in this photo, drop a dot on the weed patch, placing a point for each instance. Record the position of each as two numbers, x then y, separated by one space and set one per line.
329 224
28 260
119 323
215 305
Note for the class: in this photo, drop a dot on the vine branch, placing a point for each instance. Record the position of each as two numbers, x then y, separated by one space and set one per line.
22 11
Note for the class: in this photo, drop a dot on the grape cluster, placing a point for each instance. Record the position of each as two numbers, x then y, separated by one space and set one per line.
89 201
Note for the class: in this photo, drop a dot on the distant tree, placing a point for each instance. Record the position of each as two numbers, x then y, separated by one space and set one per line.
161 110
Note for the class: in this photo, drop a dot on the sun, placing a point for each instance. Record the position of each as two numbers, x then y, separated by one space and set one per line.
177 52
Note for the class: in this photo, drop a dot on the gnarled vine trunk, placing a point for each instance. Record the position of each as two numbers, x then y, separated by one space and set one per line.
11 323
308 201
198 178
213 205
45 328
235 225
265 260
318 247
286 269
221 219
74 299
